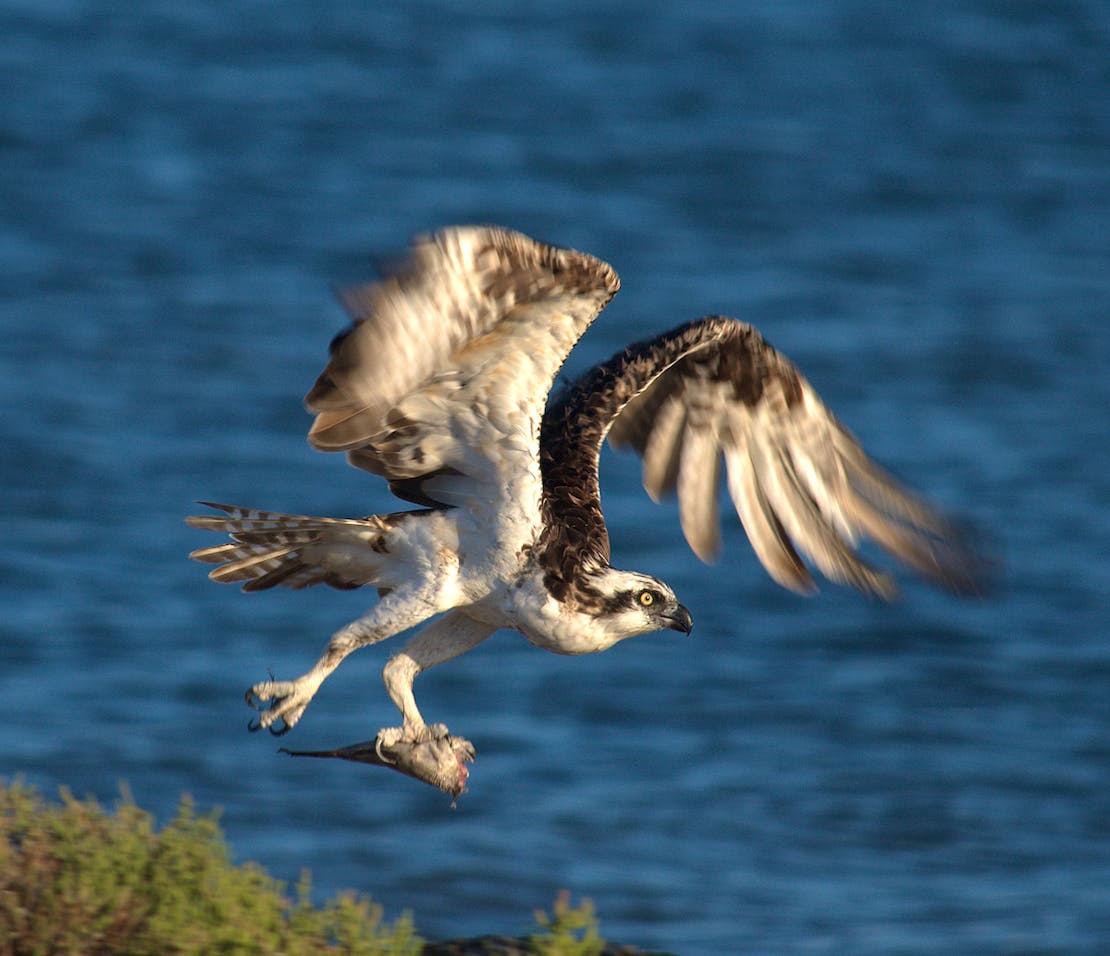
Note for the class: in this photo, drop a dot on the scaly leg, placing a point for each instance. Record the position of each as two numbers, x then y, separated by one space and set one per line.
396 612
442 639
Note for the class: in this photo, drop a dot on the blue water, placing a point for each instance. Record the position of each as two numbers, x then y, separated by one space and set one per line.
912 201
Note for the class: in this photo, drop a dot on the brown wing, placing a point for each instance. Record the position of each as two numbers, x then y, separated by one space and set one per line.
714 391
470 331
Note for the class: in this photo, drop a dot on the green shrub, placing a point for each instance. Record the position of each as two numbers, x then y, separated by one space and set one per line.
76 880
569 931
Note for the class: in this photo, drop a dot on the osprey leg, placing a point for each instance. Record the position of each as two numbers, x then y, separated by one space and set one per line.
287 700
441 640
428 753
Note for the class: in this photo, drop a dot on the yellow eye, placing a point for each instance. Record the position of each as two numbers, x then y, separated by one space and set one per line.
647 599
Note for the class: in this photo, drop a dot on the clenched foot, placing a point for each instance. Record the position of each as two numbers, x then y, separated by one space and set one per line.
389 738
287 702
428 753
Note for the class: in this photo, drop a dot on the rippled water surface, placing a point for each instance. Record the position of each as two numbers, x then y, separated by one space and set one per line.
912 201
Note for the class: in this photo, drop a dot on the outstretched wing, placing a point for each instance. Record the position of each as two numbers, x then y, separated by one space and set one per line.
714 390
446 367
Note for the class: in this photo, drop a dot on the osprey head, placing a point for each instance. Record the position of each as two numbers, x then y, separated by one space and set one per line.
630 603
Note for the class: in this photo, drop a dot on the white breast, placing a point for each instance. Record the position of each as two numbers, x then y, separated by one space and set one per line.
550 624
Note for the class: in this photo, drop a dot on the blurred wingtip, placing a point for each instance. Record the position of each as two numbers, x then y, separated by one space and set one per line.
966 561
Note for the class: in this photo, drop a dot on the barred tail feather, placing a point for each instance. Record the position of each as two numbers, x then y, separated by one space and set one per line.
295 551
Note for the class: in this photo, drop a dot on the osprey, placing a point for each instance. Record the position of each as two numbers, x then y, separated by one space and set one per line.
441 387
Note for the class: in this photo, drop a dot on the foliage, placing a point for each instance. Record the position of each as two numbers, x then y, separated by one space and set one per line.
568 931
78 880
75 879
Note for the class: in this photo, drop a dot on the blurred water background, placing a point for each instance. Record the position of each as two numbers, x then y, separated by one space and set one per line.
912 201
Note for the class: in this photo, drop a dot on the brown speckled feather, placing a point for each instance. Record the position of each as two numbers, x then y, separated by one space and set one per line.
269 548
711 391
453 352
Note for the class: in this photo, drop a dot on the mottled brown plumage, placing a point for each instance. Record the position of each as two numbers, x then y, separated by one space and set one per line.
483 287
714 389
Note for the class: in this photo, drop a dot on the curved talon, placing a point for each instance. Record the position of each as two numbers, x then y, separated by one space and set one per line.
258 703
378 751
254 725
280 704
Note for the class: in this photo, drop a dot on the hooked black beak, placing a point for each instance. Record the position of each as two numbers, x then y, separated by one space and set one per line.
679 620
